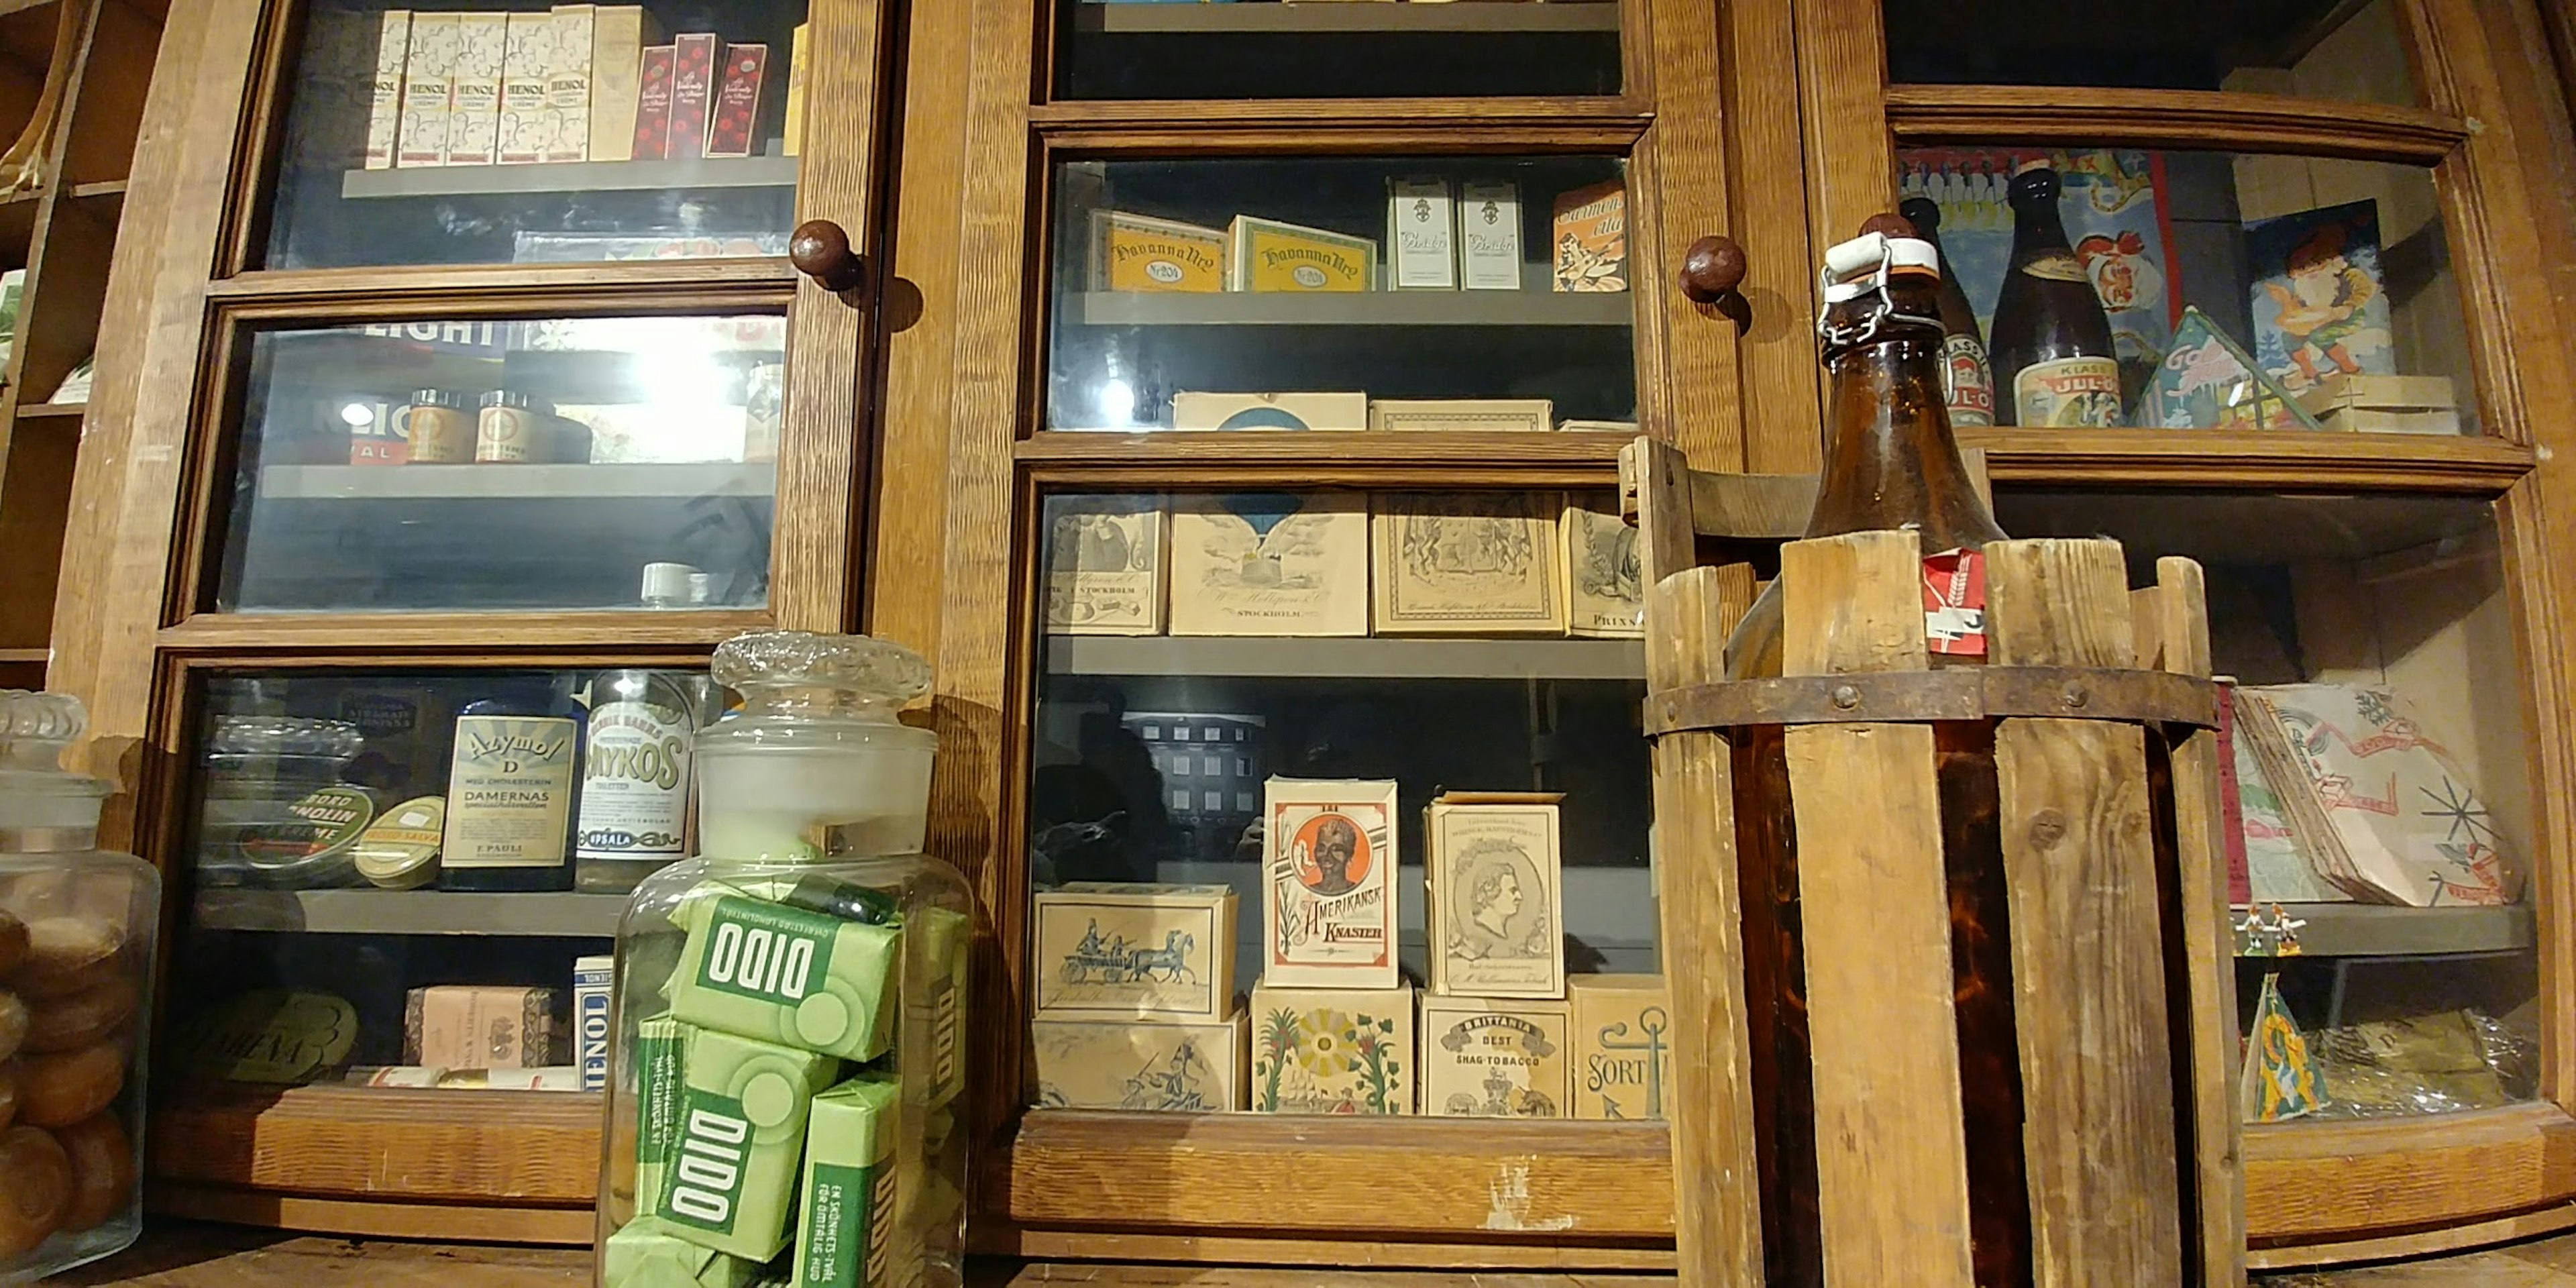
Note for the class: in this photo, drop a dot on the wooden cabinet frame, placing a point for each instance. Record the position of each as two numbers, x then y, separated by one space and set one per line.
136 631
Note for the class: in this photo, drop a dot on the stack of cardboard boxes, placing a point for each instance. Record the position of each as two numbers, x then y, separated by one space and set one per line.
1135 998
1332 1018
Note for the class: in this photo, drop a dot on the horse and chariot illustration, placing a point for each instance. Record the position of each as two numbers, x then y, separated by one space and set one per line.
1114 961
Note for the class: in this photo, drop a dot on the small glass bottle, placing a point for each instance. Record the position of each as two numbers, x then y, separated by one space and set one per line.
2053 358
436 430
78 927
511 784
789 1028
635 778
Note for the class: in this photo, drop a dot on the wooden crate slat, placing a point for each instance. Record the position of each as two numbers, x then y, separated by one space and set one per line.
1891 1153
1717 1184
2208 942
2088 971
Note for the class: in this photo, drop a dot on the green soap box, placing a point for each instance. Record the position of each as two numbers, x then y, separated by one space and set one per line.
845 1223
732 1168
788 975
658 1093
649 1253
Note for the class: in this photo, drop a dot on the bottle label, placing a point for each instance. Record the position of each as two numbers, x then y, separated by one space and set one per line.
635 790
2056 266
2069 392
509 794
1967 384
1954 602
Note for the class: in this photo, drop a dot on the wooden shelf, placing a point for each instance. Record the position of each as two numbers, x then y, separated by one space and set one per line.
2373 930
52 411
411 912
1316 459
513 482
22 656
1316 18
2280 460
2196 119
574 176
1407 659
1523 308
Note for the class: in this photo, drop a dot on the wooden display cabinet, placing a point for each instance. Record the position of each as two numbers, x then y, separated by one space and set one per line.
932 443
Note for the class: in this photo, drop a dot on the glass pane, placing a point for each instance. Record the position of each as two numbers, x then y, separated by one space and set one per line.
560 463
1226 49
2330 278
519 134
2381 799
360 836
1263 294
2311 48
1414 641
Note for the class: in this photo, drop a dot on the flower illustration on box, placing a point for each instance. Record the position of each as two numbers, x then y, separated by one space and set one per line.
1328 1061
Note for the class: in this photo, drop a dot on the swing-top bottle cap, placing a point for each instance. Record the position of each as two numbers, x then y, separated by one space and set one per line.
1853 268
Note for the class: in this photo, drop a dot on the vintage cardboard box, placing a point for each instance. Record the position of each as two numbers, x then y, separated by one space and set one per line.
1109 949
786 974
1321 411
1495 898
1591 238
1421 235
469 1026
1495 1059
528 49
1122 1064
1623 1055
1271 256
731 1181
1105 565
618 36
568 84
474 123
734 121
1467 563
426 94
1271 564
1142 253
384 92
1332 1050
1489 237
1328 898
1463 415
1605 595
845 1210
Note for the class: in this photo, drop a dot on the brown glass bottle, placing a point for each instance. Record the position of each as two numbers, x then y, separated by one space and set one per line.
1890 463
2053 360
1967 380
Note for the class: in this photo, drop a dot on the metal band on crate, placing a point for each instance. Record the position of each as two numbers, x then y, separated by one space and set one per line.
1954 693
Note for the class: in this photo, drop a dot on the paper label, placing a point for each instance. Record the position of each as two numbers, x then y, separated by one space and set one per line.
766 951
1954 602
708 1162
2056 266
845 1199
635 792
658 1090
1967 384
2069 392
1330 886
509 796
1419 228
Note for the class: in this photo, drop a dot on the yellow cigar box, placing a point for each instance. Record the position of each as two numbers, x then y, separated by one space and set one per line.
1272 256
1623 1055
1142 253
1494 1059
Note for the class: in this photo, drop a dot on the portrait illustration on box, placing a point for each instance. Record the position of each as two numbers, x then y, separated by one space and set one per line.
1326 1060
1329 910
1499 905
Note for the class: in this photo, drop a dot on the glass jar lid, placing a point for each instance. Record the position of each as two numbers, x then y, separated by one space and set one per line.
880 670
35 790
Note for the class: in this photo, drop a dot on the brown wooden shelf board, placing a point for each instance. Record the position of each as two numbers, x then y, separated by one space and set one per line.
530 1148
1522 308
1323 459
2281 460
1350 658
1486 16
102 188
411 912
52 411
573 176
2374 930
2195 119
22 656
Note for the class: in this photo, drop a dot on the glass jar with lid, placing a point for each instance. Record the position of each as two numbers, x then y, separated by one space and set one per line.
789 1030
77 931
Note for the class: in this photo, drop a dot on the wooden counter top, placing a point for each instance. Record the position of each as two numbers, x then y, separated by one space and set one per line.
188 1255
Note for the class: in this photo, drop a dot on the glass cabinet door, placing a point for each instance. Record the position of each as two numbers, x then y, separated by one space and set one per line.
1173 49
523 134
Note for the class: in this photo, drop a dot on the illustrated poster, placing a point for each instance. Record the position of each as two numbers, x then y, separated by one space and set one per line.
2320 305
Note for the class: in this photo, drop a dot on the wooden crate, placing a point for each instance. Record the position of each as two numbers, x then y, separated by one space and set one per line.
2129 1144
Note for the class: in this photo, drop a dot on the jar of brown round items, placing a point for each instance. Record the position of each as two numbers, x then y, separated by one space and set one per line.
77 931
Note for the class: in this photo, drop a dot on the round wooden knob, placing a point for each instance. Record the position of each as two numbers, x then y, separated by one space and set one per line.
821 250
1711 270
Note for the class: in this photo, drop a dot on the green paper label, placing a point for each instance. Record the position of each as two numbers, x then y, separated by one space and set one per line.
657 1108
708 1161
848 1211
766 951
